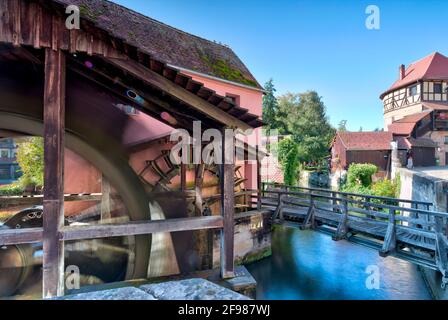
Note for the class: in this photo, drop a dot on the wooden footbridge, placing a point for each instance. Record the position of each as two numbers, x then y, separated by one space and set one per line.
405 229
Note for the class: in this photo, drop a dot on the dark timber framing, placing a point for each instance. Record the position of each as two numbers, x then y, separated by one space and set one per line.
54 127
227 177
36 26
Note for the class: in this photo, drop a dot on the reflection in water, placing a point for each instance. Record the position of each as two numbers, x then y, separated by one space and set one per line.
308 265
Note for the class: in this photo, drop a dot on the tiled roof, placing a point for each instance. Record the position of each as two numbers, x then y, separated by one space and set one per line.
406 125
366 140
165 43
432 67
408 143
435 105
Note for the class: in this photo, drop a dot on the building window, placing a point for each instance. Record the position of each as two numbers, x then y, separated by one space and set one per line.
4 153
413 91
437 88
446 139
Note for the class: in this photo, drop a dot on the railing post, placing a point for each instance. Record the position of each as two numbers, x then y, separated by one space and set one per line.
53 217
279 211
390 239
342 230
227 205
308 222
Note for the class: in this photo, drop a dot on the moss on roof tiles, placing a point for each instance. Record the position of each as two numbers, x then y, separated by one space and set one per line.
164 42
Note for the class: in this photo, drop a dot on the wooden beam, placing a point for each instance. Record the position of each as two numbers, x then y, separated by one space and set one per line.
105 199
53 218
20 236
158 81
198 184
183 177
139 228
227 178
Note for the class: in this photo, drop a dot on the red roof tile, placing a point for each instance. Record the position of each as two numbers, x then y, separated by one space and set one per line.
435 106
366 140
406 125
408 143
432 67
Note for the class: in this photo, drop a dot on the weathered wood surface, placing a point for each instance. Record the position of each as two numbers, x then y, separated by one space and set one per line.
396 228
54 128
154 79
139 228
227 180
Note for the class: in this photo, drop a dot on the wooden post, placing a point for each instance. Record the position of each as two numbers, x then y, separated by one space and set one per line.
183 177
105 200
227 206
308 222
342 230
259 183
390 239
53 218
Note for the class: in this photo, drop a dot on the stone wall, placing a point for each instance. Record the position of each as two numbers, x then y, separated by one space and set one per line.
422 187
252 238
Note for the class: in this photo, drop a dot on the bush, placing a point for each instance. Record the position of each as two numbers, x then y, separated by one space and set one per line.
361 174
11 190
385 188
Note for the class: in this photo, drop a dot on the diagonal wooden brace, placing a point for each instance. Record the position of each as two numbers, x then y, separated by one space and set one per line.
390 239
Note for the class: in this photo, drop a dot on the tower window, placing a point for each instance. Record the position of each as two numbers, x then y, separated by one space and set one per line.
413 91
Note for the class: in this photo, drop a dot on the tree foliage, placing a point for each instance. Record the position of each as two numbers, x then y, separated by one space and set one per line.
288 157
30 157
270 106
304 117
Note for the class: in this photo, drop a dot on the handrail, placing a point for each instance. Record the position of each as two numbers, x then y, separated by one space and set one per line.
364 203
349 194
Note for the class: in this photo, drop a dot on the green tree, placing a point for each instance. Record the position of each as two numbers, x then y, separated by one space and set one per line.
288 153
306 119
270 106
30 157
288 112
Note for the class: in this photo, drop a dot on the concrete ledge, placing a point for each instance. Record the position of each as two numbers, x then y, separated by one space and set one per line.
129 293
191 289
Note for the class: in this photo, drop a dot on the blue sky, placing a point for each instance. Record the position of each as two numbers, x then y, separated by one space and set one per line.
317 45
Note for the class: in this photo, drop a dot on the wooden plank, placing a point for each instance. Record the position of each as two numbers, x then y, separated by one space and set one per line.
140 228
105 199
158 81
183 177
53 218
227 180
20 236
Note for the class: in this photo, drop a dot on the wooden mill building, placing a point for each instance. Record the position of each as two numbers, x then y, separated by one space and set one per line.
105 98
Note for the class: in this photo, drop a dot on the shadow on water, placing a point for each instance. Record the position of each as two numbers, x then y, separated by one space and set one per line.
308 265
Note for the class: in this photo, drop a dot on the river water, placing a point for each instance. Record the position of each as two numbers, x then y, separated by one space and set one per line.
308 265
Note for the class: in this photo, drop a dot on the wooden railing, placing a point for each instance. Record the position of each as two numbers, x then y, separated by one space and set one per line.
399 223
